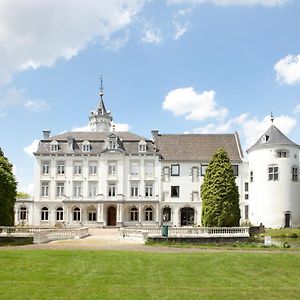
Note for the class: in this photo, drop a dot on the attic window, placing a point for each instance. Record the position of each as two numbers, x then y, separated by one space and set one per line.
265 138
54 146
142 146
112 142
86 146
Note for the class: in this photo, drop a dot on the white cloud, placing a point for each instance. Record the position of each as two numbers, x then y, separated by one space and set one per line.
117 126
121 127
250 128
151 34
36 106
181 29
288 69
268 3
31 148
36 33
27 188
195 106
13 97
296 109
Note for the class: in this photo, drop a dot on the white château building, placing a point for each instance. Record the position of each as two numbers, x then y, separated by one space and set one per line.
109 178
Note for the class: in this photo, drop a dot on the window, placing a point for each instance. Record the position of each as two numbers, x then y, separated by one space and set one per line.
45 189
86 146
148 214
294 174
195 172
59 214
77 168
23 213
92 216
235 169
174 191
282 154
46 168
246 196
54 146
60 168
77 189
60 189
246 212
142 146
76 214
149 167
166 214
251 176
175 170
273 173
134 214
149 190
93 168
246 186
134 169
265 138
112 168
166 170
92 189
134 190
44 214
111 190
203 169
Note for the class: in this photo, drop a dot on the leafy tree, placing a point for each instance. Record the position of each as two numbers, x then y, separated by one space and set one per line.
23 195
8 191
219 193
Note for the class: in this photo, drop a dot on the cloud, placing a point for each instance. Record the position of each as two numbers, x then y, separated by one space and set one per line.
36 33
297 109
31 148
250 128
195 106
288 69
151 34
268 3
181 29
117 126
13 97
36 106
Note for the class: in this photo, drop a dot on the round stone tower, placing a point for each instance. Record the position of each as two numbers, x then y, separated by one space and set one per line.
274 190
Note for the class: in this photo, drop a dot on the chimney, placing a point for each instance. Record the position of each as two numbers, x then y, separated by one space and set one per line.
154 133
46 134
70 141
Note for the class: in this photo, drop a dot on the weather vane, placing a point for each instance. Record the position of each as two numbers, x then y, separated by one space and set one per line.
272 117
101 86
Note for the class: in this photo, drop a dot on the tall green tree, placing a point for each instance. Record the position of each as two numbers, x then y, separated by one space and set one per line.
8 191
219 193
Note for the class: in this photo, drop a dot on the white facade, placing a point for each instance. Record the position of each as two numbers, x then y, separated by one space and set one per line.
108 178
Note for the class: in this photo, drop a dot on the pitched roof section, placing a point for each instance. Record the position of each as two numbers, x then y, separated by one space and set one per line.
197 147
272 137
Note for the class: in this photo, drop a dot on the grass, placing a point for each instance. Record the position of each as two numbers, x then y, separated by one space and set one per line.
64 274
283 232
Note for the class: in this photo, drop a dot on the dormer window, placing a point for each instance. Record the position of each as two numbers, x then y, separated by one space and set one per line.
54 146
86 146
142 146
112 143
265 138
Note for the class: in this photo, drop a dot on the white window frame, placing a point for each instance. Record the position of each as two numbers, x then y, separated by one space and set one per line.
45 167
175 170
134 190
77 168
45 189
60 168
112 190
149 190
149 169
77 189
112 168
60 189
134 214
93 168
149 214
273 173
45 214
93 190
134 169
203 169
59 214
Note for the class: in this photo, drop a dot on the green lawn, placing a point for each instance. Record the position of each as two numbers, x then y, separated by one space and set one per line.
283 232
59 274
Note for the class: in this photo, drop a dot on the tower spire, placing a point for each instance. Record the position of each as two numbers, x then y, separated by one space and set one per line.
101 87
272 117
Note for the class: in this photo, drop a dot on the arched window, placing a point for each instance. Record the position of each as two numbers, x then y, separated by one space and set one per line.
59 214
148 214
76 214
86 146
44 214
134 214
166 215
92 214
142 146
23 213
54 146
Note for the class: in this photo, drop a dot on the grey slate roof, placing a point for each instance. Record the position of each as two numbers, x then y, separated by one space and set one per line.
129 143
275 137
197 147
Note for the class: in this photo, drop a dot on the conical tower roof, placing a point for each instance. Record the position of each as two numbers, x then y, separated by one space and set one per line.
272 137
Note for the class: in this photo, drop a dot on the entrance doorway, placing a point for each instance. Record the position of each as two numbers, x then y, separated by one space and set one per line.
187 216
111 216
287 219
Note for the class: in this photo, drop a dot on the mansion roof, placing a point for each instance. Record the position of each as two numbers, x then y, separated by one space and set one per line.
197 147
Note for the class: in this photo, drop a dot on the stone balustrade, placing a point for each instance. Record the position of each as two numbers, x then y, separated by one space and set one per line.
133 234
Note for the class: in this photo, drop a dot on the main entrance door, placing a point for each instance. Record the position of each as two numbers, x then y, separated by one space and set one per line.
111 216
187 216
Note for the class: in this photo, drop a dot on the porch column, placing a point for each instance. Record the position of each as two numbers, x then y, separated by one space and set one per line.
140 213
100 214
157 213
119 215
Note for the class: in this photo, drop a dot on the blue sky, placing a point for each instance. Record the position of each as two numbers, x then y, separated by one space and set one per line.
198 66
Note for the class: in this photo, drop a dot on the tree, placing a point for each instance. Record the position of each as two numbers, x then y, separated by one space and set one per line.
219 193
23 195
8 191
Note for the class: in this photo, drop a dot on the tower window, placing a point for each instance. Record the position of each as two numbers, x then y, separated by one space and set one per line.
294 174
265 138
273 173
282 154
